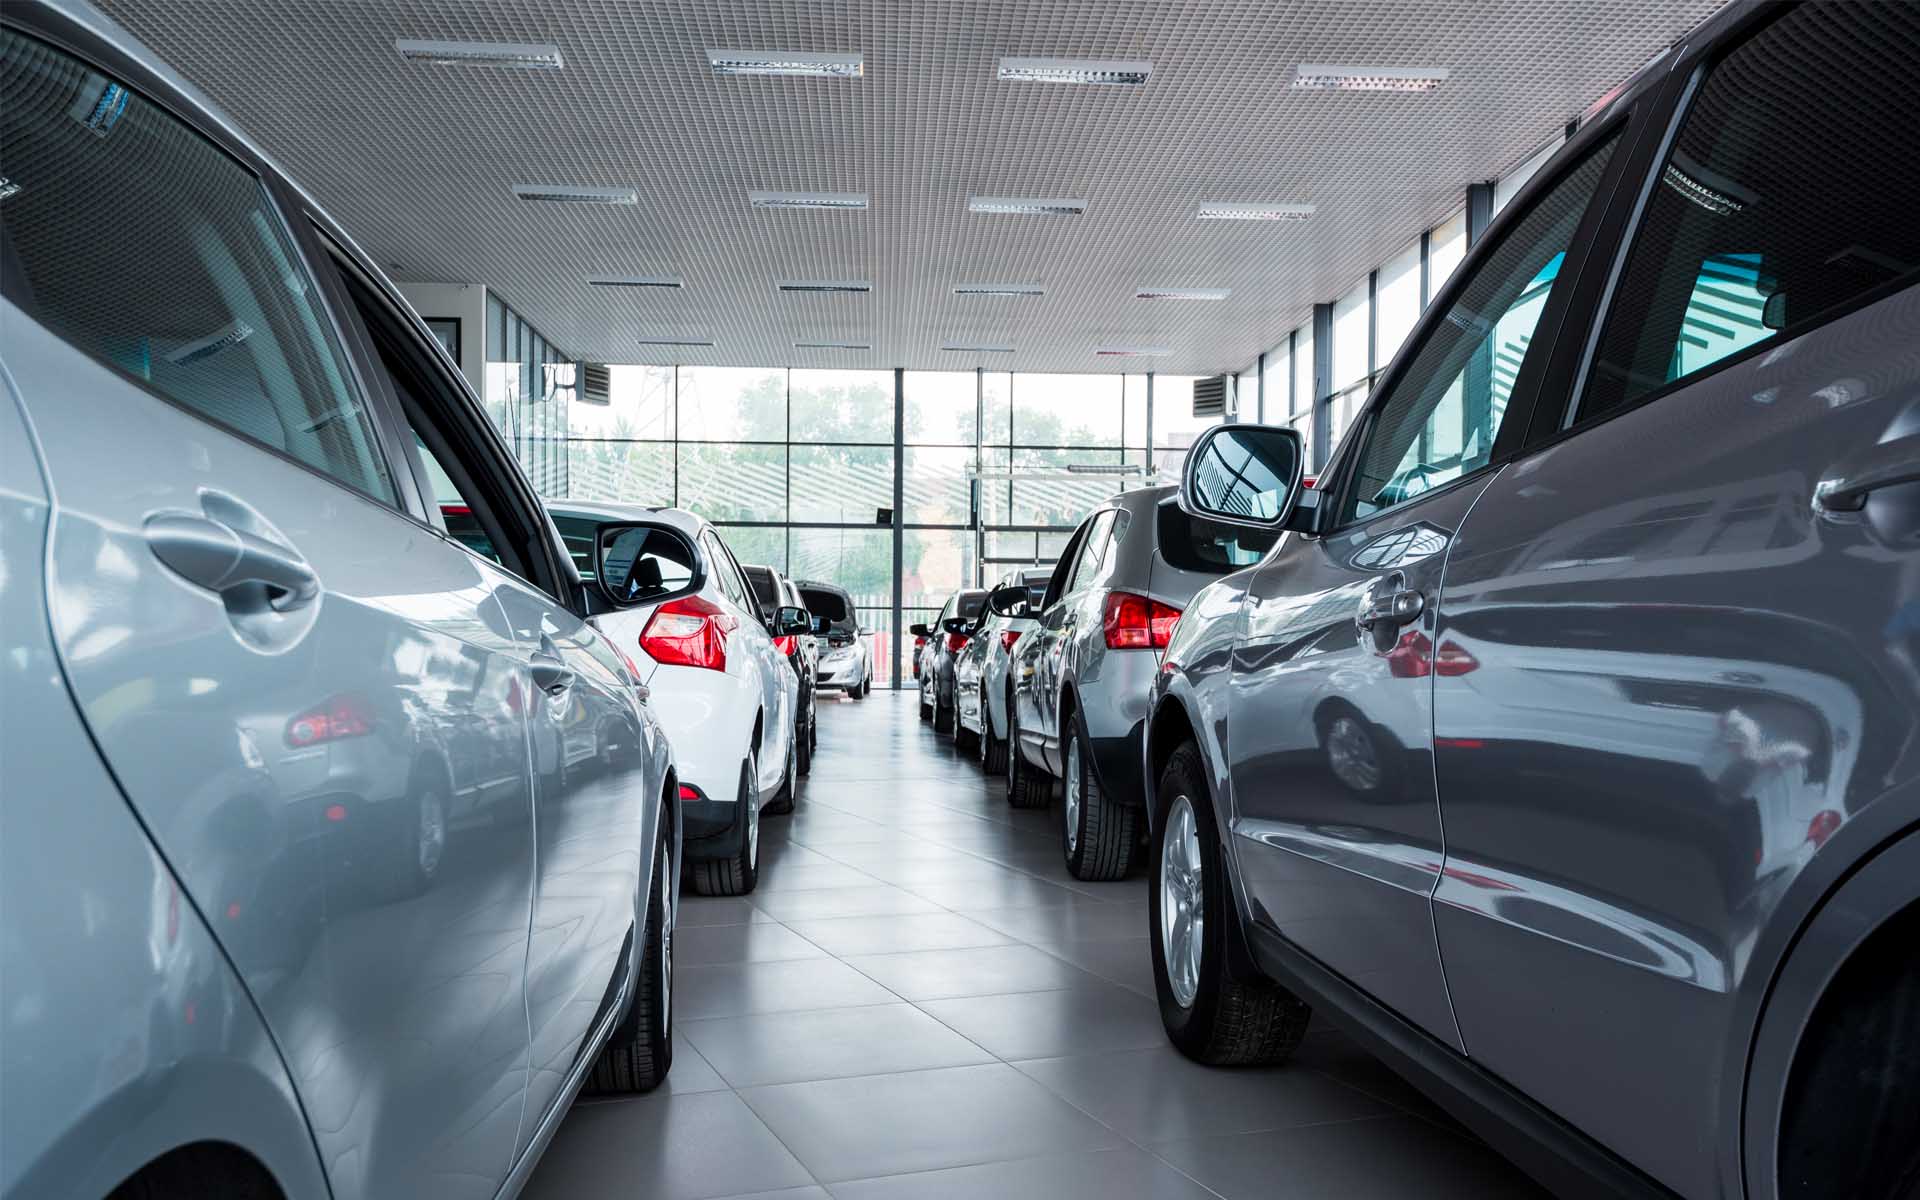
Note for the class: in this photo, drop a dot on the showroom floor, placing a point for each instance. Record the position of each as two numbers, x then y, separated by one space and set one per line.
919 1001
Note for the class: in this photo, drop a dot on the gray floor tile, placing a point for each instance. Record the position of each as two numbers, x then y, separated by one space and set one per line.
736 989
1080 1020
924 1120
1158 1095
801 1193
1074 923
808 876
1123 1174
977 971
739 943
794 1047
715 910
1008 890
890 935
1128 963
664 1148
1390 1158
690 1072
879 900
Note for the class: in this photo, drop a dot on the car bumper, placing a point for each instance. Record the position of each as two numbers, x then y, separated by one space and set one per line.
1113 707
707 717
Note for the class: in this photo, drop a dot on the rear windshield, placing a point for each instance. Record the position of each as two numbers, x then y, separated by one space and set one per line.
765 590
830 605
1195 544
972 604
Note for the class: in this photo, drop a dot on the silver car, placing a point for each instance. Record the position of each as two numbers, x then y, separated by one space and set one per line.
339 852
1081 677
1567 746
983 672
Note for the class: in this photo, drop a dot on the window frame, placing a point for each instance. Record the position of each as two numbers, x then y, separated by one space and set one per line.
1093 551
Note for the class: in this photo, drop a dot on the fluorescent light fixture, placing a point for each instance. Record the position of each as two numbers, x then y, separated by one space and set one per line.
999 289
672 342
964 348
1132 352
638 281
1329 77
1106 469
835 200
564 194
1074 70
787 62
526 56
1025 206
1225 210
826 286
832 346
1149 293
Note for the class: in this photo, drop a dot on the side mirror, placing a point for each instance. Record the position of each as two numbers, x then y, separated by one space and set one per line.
959 625
919 629
1247 475
624 576
789 621
1010 600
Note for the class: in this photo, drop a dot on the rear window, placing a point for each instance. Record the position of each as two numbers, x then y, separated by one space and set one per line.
830 605
765 590
1194 544
972 604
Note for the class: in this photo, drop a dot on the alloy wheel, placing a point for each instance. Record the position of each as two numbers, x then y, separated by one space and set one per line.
1182 901
666 936
1350 755
1071 808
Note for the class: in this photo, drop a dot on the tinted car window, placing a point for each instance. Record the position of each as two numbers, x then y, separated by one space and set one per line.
649 562
143 245
1445 411
1788 195
1195 544
766 589
1091 552
578 534
830 605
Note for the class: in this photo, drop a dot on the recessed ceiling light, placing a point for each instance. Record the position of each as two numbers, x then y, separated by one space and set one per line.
836 200
672 342
959 348
784 62
1150 293
1327 77
481 54
563 194
999 289
1025 206
1074 70
638 281
1132 352
1223 210
832 346
829 286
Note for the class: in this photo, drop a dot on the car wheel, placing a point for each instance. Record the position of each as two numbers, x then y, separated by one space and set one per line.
965 740
803 747
926 710
739 871
1210 1015
639 1053
993 750
1027 785
1098 832
943 715
790 789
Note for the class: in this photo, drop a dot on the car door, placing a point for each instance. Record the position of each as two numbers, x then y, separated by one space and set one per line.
1330 739
1076 610
765 663
1030 668
271 650
1696 607
595 809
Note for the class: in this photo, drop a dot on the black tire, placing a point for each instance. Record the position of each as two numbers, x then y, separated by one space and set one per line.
803 743
926 710
1100 834
943 716
639 1053
964 740
1231 1021
860 693
738 872
782 804
993 750
1027 785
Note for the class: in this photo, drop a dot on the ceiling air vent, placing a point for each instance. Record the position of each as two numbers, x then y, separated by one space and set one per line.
673 342
481 54
787 62
1226 210
1025 206
1181 294
1213 396
637 281
1074 70
832 346
596 385
826 200
1327 77
966 348
830 287
999 289
564 194
1131 352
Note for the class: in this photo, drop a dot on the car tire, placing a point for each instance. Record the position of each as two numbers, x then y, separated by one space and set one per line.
993 750
639 1053
739 871
943 717
803 747
926 710
1027 785
790 788
965 740
1099 834
1210 1015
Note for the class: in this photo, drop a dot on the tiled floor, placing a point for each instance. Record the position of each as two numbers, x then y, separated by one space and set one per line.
919 1001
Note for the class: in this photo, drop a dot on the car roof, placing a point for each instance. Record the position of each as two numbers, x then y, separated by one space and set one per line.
607 511
816 585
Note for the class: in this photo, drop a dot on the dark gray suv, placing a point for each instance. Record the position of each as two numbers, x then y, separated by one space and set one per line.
1567 746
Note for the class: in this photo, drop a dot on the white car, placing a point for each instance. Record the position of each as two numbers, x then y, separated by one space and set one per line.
846 653
981 687
676 601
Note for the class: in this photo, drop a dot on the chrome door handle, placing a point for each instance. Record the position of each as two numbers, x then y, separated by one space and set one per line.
1390 603
221 558
1887 464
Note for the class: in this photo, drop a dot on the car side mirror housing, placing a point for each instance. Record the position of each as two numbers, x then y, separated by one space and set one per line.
1251 476
1010 600
959 625
919 629
789 621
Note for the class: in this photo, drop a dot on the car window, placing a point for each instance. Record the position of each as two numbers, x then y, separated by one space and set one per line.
1056 585
646 562
578 534
724 572
464 524
1445 410
766 589
1787 196
144 246
1191 543
1087 564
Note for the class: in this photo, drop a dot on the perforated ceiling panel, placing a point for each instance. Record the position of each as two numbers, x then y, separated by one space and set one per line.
419 161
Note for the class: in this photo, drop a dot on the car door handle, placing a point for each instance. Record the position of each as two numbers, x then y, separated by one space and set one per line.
221 558
1389 604
1885 465
550 674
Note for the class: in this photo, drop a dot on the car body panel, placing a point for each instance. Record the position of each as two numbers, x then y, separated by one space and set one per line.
981 675
937 658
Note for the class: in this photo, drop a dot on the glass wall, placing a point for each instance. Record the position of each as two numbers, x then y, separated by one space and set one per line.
529 387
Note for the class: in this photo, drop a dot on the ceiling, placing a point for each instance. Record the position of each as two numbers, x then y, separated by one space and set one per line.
418 161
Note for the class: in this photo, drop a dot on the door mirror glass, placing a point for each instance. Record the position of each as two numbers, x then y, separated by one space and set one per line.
1244 475
957 625
919 629
1010 600
641 564
789 621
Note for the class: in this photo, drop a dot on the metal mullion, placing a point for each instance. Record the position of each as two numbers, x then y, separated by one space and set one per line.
899 513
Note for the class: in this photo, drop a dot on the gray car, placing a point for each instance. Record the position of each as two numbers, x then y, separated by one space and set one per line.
945 639
1567 746
846 655
339 852
1079 681
982 672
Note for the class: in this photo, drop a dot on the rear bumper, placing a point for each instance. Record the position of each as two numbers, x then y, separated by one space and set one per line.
1113 704
708 826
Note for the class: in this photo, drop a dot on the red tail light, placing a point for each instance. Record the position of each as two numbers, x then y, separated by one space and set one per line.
689 632
784 644
1007 638
689 792
1136 623
1823 826
1413 657
1308 481
956 642
340 717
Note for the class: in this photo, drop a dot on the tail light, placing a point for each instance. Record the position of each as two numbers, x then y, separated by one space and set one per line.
690 793
956 642
340 717
1134 622
1413 657
1824 824
689 632
1007 638
785 645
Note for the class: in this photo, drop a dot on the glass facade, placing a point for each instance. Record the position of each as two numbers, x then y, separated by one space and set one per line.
529 390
